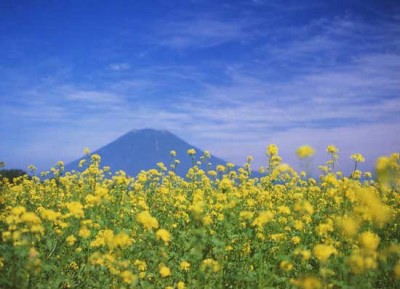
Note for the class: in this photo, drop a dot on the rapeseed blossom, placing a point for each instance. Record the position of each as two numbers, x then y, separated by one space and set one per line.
128 277
307 283
165 271
358 158
163 235
147 220
368 241
210 264
332 149
71 239
263 218
184 265
75 209
286 266
272 150
305 151
322 252
217 228
191 152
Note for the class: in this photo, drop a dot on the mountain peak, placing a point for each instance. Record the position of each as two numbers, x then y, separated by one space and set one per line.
142 149
148 131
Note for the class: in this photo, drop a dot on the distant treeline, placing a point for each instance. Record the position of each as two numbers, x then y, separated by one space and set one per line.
11 174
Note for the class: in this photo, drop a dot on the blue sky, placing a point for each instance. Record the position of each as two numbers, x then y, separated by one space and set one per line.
227 76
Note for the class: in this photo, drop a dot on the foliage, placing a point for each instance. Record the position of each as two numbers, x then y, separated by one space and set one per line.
11 174
213 229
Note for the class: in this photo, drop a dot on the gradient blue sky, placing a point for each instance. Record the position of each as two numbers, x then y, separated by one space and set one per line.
227 76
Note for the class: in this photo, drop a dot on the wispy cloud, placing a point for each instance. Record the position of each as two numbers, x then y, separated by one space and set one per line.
120 66
202 31
329 42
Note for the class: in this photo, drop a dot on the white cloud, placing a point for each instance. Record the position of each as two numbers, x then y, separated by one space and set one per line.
199 32
120 66
93 97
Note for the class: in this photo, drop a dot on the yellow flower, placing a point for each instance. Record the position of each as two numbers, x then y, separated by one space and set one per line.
181 285
84 232
95 158
305 254
272 149
147 220
18 210
284 210
212 173
185 266
357 158
307 283
370 262
246 215
197 208
305 152
304 207
92 200
225 184
164 271
279 237
263 218
356 262
296 240
210 264
349 226
30 218
73 265
140 265
207 220
246 248
220 168
163 235
70 240
330 179
81 163
191 152
369 241
324 228
286 266
322 252
122 240
86 151
75 209
281 169
298 225
128 277
49 215
332 149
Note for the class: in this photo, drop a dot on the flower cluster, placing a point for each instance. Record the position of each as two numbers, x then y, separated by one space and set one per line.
217 228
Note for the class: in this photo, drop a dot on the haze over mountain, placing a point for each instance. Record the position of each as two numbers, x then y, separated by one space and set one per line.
142 149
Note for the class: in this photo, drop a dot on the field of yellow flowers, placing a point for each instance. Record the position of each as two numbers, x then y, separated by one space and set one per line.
213 229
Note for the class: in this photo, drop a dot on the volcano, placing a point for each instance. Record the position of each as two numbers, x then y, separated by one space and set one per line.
142 149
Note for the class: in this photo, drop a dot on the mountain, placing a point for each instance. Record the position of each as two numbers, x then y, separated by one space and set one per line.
143 149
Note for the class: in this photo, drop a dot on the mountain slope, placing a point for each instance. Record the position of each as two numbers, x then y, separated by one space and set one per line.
143 149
